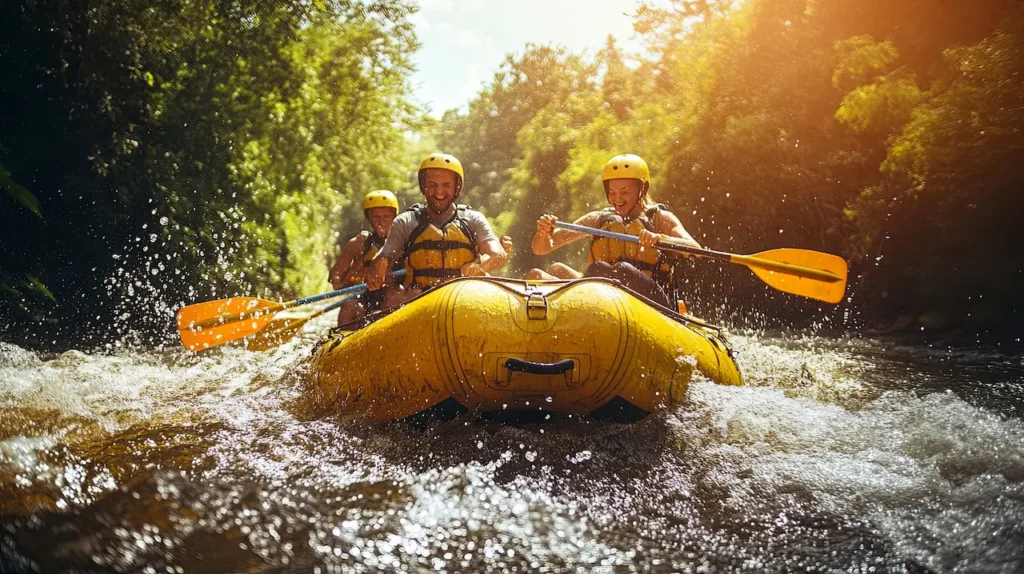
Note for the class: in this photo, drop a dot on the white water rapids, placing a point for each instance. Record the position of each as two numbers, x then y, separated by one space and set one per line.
838 456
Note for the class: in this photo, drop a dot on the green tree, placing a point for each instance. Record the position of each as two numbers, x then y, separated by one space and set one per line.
484 139
942 218
186 150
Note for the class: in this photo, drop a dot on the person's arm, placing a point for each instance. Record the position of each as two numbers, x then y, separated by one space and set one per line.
377 273
674 228
343 266
549 238
491 254
668 226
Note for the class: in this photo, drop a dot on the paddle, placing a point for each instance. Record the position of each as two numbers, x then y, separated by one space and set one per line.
281 330
214 323
802 272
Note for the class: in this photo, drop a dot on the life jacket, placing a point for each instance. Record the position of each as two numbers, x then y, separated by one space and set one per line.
371 245
435 254
648 260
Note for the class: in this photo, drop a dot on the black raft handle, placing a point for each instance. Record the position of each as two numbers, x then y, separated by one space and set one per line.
519 365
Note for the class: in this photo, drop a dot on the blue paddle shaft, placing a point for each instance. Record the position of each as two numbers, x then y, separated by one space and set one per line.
336 304
346 291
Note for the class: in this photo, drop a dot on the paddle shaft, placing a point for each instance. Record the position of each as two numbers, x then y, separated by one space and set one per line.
748 260
330 307
286 305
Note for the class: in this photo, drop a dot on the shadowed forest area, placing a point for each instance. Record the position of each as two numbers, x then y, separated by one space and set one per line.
159 153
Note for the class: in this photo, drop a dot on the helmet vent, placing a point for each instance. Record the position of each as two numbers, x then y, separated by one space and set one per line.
615 167
627 165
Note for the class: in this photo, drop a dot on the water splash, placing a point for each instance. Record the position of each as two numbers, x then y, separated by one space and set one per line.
839 455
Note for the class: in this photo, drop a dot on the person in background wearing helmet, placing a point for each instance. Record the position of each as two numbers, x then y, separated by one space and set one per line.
641 268
437 241
380 208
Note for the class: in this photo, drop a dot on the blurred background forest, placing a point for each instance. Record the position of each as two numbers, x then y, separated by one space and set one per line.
162 152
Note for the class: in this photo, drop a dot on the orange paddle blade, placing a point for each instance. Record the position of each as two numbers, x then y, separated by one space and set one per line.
277 333
812 274
214 323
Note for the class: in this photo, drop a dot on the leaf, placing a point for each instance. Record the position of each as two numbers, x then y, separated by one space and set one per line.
38 286
18 193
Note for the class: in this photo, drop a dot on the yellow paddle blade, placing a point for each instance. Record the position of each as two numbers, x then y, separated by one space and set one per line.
213 323
276 333
812 274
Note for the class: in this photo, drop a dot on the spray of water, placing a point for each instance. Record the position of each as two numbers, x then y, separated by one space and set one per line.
831 458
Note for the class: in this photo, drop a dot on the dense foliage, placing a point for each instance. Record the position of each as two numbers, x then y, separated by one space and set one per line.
890 133
167 151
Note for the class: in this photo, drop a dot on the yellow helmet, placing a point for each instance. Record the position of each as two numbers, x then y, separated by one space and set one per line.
380 198
627 166
443 161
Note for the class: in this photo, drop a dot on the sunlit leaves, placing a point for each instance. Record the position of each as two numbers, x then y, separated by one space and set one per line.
880 105
830 125
949 201
861 59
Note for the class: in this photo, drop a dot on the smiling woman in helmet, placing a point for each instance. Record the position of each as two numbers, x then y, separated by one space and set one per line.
642 268
380 208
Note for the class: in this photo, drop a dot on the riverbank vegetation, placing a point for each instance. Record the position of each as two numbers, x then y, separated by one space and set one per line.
160 153
179 149
889 133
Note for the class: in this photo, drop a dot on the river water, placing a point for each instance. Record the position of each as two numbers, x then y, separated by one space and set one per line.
840 455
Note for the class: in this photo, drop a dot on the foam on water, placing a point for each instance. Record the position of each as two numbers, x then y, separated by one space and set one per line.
832 458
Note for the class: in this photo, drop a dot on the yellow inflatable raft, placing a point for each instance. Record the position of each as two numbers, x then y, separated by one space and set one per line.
583 347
